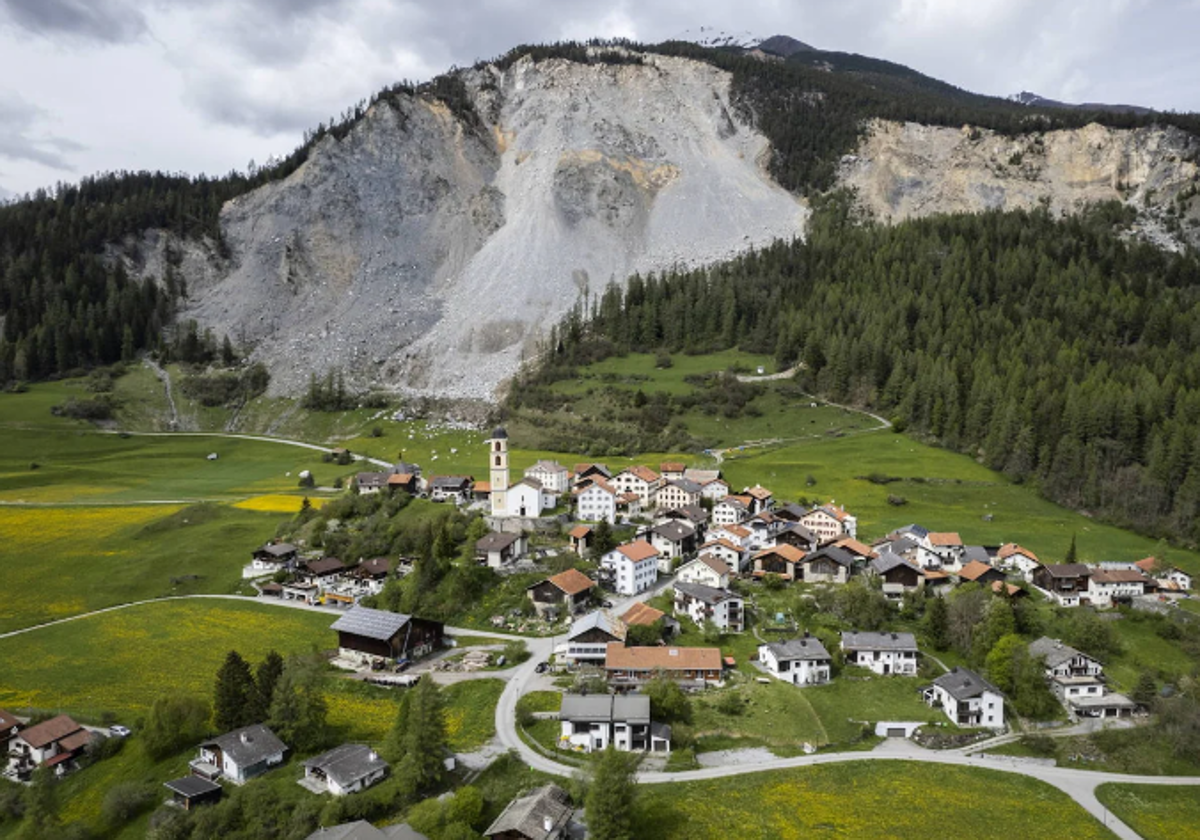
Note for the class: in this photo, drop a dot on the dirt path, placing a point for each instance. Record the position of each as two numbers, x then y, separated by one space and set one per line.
165 378
263 438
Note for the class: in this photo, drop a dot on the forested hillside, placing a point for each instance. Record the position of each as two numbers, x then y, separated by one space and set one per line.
1054 350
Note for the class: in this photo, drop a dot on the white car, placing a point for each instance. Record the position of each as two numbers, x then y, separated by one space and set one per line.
118 731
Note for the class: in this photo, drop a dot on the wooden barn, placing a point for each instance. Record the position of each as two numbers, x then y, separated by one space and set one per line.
366 632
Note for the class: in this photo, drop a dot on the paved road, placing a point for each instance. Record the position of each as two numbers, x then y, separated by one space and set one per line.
262 438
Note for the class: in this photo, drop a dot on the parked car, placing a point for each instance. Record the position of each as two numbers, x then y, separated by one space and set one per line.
118 731
542 667
606 604
402 665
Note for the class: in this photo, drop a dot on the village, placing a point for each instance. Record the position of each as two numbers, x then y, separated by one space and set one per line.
711 558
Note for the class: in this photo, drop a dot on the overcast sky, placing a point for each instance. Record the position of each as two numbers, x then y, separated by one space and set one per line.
207 85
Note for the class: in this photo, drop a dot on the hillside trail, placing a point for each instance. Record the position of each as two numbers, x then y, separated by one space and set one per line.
165 378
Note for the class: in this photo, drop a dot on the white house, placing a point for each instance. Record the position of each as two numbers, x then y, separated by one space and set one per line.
714 489
730 511
54 743
1108 585
345 769
640 480
760 498
588 638
707 569
883 653
967 699
634 566
702 603
529 498
673 540
239 755
1169 580
944 551
1020 561
596 503
1063 660
735 534
593 722
830 522
677 493
798 661
552 475
734 556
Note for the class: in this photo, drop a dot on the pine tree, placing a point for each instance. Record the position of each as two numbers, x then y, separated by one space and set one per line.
235 694
610 796
298 710
419 739
937 623
41 821
266 678
1071 552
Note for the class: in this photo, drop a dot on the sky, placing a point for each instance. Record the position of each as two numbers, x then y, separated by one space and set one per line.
210 85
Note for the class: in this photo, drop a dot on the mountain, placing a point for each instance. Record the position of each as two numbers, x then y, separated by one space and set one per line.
1036 101
784 46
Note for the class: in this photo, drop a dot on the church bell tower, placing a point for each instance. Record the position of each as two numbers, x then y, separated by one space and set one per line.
498 468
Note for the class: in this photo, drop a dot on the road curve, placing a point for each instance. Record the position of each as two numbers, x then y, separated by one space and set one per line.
262 438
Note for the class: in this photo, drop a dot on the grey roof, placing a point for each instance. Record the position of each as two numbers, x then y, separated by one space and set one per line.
363 830
807 648
878 641
278 549
449 482
803 532
674 530
496 541
700 592
732 502
886 561
703 476
686 485
693 513
597 620
526 815
1067 570
373 624
348 763
660 730
837 555
903 544
791 509
499 434
371 479
976 552
190 786
632 708
963 684
1055 652
249 745
916 530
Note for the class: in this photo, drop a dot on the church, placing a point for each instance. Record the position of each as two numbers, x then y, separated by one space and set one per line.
527 498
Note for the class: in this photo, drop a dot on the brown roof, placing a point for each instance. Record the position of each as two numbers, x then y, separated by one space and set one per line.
974 570
1067 570
76 740
724 543
374 566
619 657
8 720
855 547
1009 549
715 563
947 538
580 531
931 574
483 487
630 497
744 501
644 473
400 478
737 530
49 731
759 492
1119 576
641 613
672 467
1148 564
572 581
638 550
325 565
788 552
1009 589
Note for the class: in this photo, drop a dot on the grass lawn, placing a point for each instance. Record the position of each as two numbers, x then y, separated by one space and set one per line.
541 701
1153 811
70 560
863 800
1143 648
637 371
471 712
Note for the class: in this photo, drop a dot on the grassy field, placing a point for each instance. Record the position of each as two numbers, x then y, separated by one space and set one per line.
1153 811
864 800
639 371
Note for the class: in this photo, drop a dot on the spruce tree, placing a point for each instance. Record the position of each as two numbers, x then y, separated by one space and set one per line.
937 623
235 695
298 710
610 796
1071 552
422 739
266 677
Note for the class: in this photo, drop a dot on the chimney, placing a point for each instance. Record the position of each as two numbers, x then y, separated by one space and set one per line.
548 823
372 756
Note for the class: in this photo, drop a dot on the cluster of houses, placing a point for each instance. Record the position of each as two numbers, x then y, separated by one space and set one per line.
316 579
57 743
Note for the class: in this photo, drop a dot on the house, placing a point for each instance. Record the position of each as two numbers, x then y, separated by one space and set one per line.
528 498
1019 560
702 603
641 614
55 743
588 638
239 755
943 550
300 590
1077 680
702 476
345 769
406 482
764 526
324 571
580 539
899 575
673 540
363 830
273 557
191 791
730 511
629 506
642 481
967 699
798 661
590 472
9 727
976 571
1064 661
499 549
905 547
861 552
451 488
542 814
791 512
732 555
796 535
568 591
830 522
632 666
676 493
370 483
672 470
634 567
693 515
593 722
883 653
706 569
371 574
760 498
551 475
364 633
782 560
736 534
1106 587
1066 583
1171 579
714 489
828 565
596 502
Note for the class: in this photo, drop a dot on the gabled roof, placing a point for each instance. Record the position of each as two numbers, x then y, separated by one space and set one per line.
887 560
47 732
792 511
808 648
672 467
599 484
449 482
705 594
705 477
528 815
619 657
963 684
685 485
916 530
582 469
348 763
372 624
580 531
641 472
674 530
878 641
374 566
977 552
638 550
595 708
597 620
496 541
758 492
975 570
8 720
788 552
371 479
723 543
324 566
249 745
1055 652
945 539
855 547
571 582
1067 570
278 549
1119 576
642 614
833 553
903 544
363 830
547 466
715 563
191 786
1009 549
799 530
404 478
736 530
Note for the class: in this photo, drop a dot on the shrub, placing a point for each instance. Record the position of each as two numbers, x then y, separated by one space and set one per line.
125 801
100 408
896 501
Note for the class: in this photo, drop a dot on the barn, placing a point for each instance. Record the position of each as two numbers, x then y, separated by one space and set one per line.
366 632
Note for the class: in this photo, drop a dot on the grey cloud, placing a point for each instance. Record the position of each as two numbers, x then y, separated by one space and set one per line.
109 21
19 142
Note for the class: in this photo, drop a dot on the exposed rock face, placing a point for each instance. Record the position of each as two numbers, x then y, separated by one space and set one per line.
423 255
907 170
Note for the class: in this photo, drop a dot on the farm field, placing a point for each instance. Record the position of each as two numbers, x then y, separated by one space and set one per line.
864 801
1157 812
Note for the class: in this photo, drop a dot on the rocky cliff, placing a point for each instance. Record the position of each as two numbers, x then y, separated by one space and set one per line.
904 171
427 252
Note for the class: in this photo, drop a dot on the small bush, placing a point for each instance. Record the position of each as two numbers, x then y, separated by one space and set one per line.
1039 744
896 501
125 801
